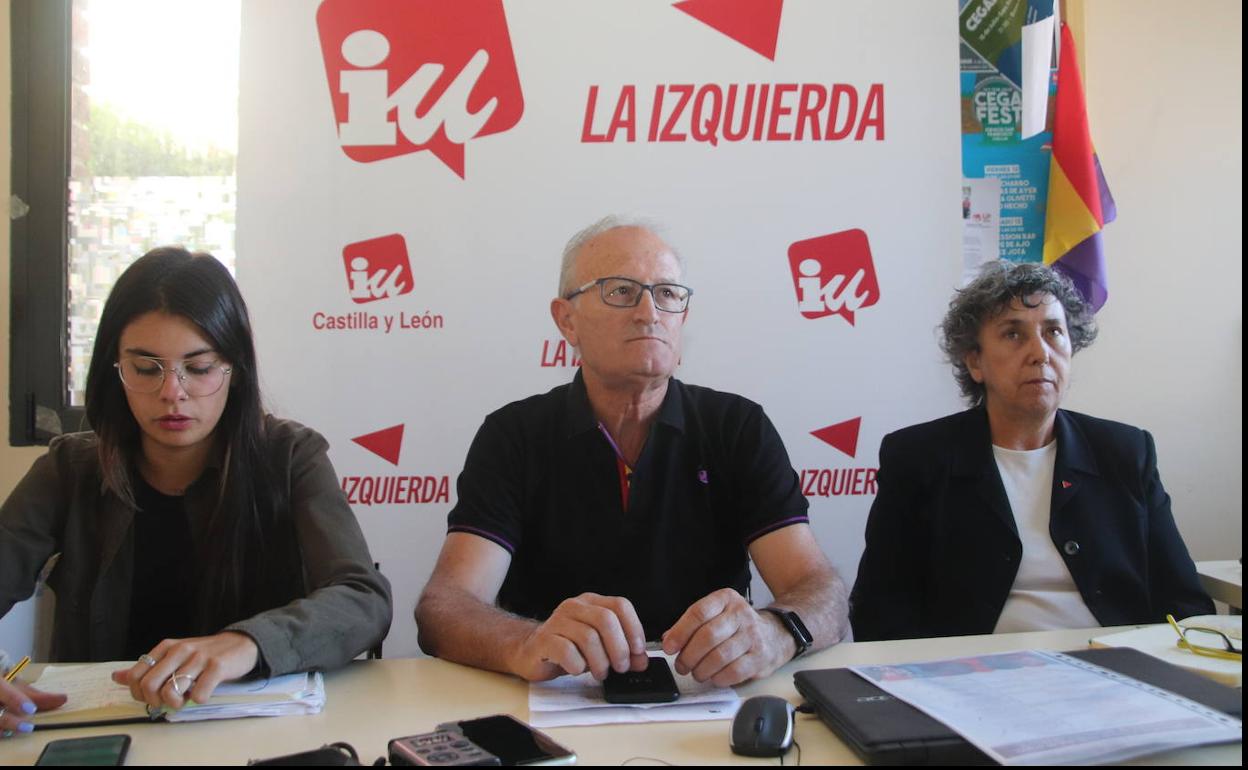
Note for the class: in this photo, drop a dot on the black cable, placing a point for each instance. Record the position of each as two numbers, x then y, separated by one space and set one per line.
805 708
799 755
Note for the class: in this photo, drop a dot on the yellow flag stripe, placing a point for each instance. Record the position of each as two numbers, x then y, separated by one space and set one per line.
1067 220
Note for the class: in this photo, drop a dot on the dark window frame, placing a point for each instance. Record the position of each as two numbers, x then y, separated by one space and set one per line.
42 61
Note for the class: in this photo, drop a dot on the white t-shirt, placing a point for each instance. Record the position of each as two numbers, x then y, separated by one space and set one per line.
1044 595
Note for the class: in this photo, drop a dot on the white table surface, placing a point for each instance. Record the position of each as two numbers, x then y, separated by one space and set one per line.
1223 580
370 702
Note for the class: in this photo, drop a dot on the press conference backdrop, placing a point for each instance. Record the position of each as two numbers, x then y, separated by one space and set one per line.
409 173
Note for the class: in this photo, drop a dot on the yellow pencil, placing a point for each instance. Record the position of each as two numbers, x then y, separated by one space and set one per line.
13 672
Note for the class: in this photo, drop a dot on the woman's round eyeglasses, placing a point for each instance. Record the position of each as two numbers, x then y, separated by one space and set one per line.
197 376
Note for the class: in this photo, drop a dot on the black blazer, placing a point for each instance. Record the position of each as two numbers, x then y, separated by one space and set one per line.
942 547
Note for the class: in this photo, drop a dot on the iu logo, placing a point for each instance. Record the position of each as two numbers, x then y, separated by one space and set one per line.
834 274
377 268
418 75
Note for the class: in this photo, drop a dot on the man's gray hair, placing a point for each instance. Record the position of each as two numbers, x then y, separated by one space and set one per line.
997 285
609 222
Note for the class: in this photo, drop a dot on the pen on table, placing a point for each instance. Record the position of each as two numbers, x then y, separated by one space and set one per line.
13 672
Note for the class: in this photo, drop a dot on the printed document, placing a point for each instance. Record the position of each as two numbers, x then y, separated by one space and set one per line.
1034 707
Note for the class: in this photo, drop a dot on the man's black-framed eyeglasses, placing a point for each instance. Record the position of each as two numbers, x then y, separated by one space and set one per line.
625 292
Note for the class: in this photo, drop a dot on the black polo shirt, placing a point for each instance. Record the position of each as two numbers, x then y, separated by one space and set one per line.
542 481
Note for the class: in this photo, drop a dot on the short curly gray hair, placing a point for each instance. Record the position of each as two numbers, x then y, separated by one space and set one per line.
997 285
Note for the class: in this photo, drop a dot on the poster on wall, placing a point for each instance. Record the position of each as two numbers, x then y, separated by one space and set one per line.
1000 154
410 172
981 229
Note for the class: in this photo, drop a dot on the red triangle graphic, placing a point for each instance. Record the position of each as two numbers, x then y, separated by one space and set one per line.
843 435
386 443
754 24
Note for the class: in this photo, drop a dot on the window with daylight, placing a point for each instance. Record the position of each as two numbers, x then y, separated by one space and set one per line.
125 134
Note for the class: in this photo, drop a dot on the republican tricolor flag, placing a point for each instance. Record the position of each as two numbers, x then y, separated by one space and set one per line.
1079 203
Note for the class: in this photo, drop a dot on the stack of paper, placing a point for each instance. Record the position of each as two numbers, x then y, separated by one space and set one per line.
280 696
578 700
93 695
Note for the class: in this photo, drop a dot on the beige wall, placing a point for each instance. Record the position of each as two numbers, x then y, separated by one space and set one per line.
13 462
1165 91
16 628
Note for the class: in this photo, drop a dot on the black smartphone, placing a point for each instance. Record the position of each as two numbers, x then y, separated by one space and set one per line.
654 685
100 751
494 740
514 742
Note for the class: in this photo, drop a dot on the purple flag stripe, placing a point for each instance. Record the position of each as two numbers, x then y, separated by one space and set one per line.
1109 209
1085 266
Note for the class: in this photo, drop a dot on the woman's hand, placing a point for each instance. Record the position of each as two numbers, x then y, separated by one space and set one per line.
19 700
199 664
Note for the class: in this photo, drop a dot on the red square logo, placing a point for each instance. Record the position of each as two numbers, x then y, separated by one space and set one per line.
413 75
834 274
377 268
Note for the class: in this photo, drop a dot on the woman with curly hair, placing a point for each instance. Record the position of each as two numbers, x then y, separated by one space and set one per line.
1016 514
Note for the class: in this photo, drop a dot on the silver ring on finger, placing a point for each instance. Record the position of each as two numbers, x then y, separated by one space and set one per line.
183 689
147 660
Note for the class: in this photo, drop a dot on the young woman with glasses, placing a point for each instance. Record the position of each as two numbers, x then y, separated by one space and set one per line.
198 536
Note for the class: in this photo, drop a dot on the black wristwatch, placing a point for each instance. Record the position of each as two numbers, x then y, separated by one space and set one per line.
795 626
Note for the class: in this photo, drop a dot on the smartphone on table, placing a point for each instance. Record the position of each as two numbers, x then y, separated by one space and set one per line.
97 751
654 685
500 739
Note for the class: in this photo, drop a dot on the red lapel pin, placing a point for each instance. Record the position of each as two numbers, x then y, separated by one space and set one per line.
1066 485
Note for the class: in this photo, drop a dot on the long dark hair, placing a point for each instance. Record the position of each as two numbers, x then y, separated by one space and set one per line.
243 560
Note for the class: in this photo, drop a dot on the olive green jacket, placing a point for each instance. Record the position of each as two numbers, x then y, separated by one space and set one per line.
61 507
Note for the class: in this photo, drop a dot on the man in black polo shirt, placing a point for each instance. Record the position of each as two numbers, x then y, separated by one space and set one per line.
626 505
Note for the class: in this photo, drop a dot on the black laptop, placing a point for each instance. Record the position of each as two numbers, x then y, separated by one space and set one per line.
885 731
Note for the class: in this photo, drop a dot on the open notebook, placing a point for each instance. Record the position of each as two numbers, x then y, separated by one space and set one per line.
95 698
